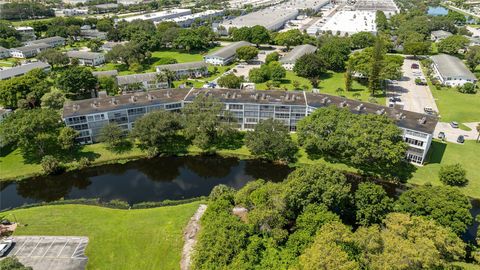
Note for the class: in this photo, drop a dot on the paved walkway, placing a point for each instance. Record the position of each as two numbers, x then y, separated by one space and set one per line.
50 252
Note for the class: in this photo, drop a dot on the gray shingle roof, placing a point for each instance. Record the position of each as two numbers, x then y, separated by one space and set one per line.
31 47
183 66
20 70
106 73
83 55
136 78
297 52
229 50
450 66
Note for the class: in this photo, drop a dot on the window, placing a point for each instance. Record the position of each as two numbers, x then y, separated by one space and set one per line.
235 106
173 106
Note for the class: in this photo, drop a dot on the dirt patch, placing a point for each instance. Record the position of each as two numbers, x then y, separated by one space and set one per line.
190 237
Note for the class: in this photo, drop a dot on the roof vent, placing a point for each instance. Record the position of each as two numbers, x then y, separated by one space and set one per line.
380 111
150 97
168 94
343 104
360 107
133 99
325 100
95 104
76 107
113 101
263 97
422 120
400 116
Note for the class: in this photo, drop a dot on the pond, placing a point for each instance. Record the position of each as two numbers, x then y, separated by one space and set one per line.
437 11
158 179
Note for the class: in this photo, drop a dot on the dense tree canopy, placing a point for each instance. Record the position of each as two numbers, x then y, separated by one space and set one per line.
290 38
334 51
271 140
453 175
77 82
446 205
247 53
368 141
452 44
230 81
310 66
372 204
28 89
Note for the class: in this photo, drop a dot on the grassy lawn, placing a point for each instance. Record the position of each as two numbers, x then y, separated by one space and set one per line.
328 84
450 153
118 239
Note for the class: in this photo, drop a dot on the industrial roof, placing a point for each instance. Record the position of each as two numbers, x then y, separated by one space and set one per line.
268 18
297 52
20 70
229 50
452 67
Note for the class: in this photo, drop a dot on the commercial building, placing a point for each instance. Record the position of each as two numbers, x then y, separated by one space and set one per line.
225 55
187 20
92 59
29 50
140 82
304 5
191 69
248 108
129 2
22 70
388 7
451 71
289 60
272 19
346 22
439 35
159 16
51 41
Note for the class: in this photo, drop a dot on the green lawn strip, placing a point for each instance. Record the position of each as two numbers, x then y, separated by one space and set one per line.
118 239
450 153
328 84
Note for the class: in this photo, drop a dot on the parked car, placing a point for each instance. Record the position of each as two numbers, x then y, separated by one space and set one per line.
5 246
415 66
441 135
454 124
461 139
395 99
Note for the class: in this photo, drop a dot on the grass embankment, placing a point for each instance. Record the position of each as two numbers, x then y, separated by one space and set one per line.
328 84
118 239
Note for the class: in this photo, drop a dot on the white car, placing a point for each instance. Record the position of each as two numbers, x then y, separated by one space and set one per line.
5 246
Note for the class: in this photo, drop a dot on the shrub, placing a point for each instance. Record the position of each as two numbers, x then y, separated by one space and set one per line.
50 164
83 163
222 192
468 88
453 175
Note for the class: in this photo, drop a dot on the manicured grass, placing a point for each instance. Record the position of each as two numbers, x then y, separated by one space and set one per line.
118 239
13 165
450 153
328 84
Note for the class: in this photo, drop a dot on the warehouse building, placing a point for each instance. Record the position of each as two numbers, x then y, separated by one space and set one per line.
225 55
191 69
272 19
91 59
451 71
248 107
187 20
22 70
303 5
159 16
289 60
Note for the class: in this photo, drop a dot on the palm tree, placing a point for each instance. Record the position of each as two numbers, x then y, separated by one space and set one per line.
166 76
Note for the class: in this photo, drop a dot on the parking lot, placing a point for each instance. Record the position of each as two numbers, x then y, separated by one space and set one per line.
50 252
451 134
414 97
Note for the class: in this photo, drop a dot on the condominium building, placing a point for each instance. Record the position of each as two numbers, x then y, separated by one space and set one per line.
22 70
289 60
451 71
92 59
27 32
28 51
50 41
225 55
190 69
4 53
247 107
140 82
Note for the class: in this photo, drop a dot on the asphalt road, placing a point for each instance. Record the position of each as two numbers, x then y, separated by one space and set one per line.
414 97
50 252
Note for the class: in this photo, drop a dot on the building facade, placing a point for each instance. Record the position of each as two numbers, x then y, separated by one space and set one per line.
50 41
23 69
28 51
289 60
247 107
225 55
451 71
87 58
190 69
140 82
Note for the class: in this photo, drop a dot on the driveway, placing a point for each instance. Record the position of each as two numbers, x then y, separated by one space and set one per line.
50 252
414 97
452 134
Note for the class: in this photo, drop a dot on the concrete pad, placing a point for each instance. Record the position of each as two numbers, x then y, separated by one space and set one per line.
51 252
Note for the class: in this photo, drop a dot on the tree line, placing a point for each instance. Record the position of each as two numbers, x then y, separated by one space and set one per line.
316 219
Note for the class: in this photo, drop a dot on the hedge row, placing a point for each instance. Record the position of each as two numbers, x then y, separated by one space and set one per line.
115 204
